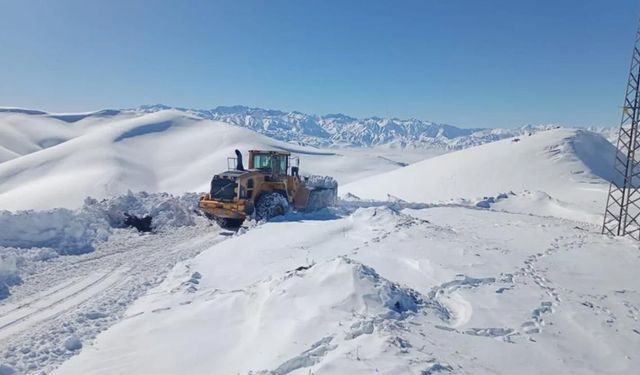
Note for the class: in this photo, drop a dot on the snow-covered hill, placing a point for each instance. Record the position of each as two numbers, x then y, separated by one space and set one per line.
569 167
57 160
54 160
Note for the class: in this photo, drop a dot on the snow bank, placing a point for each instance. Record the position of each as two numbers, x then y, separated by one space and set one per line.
543 204
77 231
69 232
8 274
166 210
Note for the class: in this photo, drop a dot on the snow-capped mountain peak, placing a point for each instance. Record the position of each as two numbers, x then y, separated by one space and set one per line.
344 130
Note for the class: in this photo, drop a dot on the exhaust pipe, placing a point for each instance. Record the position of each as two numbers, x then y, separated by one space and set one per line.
239 165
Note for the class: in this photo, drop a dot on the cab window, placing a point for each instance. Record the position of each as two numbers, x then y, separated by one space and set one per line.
262 161
283 165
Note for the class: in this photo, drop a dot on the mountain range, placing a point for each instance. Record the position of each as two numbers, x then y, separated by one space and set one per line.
331 130
343 130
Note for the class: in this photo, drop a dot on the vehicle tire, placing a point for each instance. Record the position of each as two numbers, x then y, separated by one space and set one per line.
270 205
226 223
230 224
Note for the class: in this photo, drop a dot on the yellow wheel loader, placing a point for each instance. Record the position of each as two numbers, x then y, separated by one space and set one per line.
269 187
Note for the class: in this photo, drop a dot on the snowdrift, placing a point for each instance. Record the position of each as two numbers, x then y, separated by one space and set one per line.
8 274
299 303
77 231
573 166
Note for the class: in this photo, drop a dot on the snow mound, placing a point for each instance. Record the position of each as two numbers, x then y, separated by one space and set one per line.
166 210
77 231
69 232
8 274
366 292
571 165
542 204
288 322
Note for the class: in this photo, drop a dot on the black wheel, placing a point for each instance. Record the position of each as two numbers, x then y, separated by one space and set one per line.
270 205
229 224
226 223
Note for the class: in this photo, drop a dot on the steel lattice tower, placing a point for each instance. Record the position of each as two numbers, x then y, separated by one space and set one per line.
623 203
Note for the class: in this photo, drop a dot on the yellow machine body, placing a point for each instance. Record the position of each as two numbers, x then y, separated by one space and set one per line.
234 193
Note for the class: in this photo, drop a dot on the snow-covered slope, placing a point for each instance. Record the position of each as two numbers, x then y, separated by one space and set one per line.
24 133
572 166
439 290
142 153
56 161
52 160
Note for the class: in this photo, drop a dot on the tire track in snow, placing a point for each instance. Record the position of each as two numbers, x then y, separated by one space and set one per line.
8 309
81 296
16 322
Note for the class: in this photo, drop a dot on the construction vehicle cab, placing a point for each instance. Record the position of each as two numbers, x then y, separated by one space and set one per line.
274 162
267 188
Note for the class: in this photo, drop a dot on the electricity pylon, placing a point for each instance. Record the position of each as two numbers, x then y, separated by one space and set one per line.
623 202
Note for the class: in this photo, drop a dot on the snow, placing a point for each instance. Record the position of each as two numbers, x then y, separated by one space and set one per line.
487 260
542 204
166 210
168 151
62 229
73 343
322 182
409 291
22 134
76 231
6 370
570 166
8 274
346 131
82 295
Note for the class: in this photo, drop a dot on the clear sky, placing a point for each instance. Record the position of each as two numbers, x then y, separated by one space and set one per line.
463 62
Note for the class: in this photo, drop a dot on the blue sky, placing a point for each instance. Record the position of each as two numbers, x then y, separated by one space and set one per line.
463 62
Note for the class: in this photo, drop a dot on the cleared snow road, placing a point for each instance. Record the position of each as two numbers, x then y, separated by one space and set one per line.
58 300
71 299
